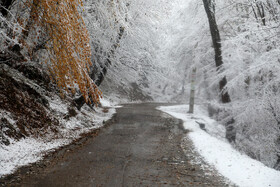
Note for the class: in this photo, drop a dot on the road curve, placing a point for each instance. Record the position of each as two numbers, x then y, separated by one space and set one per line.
141 148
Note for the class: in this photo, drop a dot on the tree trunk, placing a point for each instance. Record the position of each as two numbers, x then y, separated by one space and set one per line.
102 74
80 101
209 6
261 12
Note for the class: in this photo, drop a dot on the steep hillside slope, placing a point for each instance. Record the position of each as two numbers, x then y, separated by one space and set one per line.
34 119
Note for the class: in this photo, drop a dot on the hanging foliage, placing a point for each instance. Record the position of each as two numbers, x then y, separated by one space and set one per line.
68 44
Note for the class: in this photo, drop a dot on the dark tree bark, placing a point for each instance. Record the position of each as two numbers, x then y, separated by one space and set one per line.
261 12
209 6
254 11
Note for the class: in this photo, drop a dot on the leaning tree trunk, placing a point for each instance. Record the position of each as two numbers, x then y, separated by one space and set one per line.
80 101
209 6
104 68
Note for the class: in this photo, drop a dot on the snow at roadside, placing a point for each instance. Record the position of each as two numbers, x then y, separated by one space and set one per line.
237 167
30 150
24 152
109 103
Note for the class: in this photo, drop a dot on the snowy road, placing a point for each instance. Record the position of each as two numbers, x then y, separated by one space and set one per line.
141 148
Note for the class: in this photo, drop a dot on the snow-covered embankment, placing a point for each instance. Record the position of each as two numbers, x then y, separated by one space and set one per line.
29 150
212 146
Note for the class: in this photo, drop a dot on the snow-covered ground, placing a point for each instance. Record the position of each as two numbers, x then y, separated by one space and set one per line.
212 146
30 150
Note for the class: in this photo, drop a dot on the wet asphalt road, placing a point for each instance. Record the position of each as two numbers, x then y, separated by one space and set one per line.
141 148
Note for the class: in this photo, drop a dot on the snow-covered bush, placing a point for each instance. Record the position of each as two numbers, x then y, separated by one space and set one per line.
251 55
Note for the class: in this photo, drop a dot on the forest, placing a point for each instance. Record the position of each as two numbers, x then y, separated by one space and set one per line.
60 58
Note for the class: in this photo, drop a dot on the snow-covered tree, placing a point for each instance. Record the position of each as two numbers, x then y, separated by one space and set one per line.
209 6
